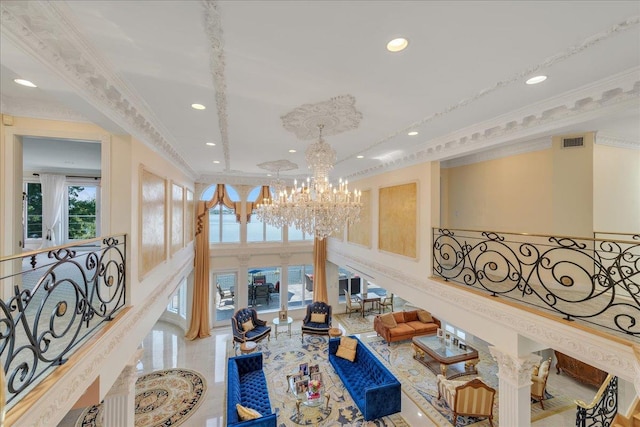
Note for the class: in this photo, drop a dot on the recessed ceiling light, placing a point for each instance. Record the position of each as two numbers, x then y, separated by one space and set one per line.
24 82
412 133
359 157
216 161
198 106
396 45
210 144
535 80
292 151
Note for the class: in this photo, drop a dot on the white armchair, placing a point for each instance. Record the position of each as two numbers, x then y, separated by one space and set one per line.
539 381
469 398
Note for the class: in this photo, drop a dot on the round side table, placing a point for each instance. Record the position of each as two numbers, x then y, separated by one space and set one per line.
335 332
248 347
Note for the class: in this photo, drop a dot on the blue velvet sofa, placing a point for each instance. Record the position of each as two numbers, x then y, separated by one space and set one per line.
372 387
247 385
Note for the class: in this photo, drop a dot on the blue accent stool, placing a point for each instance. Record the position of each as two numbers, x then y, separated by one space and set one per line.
247 385
309 327
372 387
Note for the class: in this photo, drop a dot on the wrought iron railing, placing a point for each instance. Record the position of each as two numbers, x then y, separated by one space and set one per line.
61 296
594 280
603 409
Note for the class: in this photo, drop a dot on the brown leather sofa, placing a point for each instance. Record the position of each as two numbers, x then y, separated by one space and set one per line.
407 325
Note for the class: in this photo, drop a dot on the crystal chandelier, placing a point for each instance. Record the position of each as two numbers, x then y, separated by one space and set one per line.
316 207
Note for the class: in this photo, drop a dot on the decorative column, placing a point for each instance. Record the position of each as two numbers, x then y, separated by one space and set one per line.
119 403
514 375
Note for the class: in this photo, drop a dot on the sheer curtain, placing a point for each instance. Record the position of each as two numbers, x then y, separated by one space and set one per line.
53 191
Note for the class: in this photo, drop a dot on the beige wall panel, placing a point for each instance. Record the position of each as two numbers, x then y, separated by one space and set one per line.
177 218
398 219
616 189
152 221
189 222
508 194
360 232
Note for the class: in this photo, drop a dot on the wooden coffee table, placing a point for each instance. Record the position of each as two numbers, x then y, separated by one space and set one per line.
440 358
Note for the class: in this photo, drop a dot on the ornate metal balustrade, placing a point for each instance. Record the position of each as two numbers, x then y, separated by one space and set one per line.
60 297
603 409
595 280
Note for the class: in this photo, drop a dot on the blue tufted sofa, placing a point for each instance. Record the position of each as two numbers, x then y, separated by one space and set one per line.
247 385
372 387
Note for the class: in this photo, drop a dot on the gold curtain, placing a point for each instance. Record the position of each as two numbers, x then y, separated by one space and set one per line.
319 270
264 194
199 326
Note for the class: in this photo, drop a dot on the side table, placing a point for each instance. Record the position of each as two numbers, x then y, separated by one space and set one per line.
248 347
335 332
277 322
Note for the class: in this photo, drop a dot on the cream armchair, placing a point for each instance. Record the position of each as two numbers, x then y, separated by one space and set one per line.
469 398
539 381
353 306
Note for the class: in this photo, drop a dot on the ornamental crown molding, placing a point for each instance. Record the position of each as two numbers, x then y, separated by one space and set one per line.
47 31
499 152
605 138
615 93
337 115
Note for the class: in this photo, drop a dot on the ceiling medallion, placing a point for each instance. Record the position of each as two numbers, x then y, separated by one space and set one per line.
316 207
336 115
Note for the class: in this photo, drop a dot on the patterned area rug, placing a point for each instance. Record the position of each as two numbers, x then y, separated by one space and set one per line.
163 398
419 383
283 357
356 324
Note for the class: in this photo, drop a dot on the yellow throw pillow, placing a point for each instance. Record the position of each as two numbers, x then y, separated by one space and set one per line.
349 343
388 320
246 414
425 316
318 317
346 353
248 325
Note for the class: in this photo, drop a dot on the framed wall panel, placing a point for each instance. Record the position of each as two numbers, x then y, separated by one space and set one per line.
360 232
177 218
153 244
397 227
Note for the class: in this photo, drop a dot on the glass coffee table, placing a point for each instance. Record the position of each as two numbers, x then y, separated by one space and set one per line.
442 357
306 395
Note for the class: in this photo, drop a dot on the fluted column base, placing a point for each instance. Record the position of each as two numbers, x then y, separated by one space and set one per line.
514 379
118 408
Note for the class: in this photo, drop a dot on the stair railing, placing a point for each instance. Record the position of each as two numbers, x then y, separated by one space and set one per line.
602 409
61 297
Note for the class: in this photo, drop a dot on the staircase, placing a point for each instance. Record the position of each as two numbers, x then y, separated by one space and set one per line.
633 420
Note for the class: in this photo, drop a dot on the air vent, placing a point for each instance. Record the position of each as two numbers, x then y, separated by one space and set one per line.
572 142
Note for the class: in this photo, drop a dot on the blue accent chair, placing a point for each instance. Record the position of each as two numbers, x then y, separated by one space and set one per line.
247 385
371 385
259 331
316 328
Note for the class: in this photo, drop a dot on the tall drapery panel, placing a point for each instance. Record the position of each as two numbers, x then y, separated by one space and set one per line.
199 325
319 270
53 192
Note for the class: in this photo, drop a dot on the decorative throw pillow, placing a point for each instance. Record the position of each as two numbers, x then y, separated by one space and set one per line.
318 317
388 320
346 353
544 368
246 414
349 343
425 316
248 325
411 316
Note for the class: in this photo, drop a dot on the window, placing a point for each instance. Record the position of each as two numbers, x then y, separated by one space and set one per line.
79 220
300 286
295 234
258 231
178 302
223 226
81 212
33 210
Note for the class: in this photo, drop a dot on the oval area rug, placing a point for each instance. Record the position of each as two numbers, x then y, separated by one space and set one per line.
163 398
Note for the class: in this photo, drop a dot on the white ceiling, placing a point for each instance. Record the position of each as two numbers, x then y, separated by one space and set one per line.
137 66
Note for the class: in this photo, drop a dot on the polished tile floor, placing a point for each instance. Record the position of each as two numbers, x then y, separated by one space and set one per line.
165 347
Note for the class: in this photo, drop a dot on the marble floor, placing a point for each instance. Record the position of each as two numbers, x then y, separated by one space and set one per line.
165 347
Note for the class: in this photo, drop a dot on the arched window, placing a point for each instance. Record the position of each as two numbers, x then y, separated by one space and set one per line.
257 230
224 226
